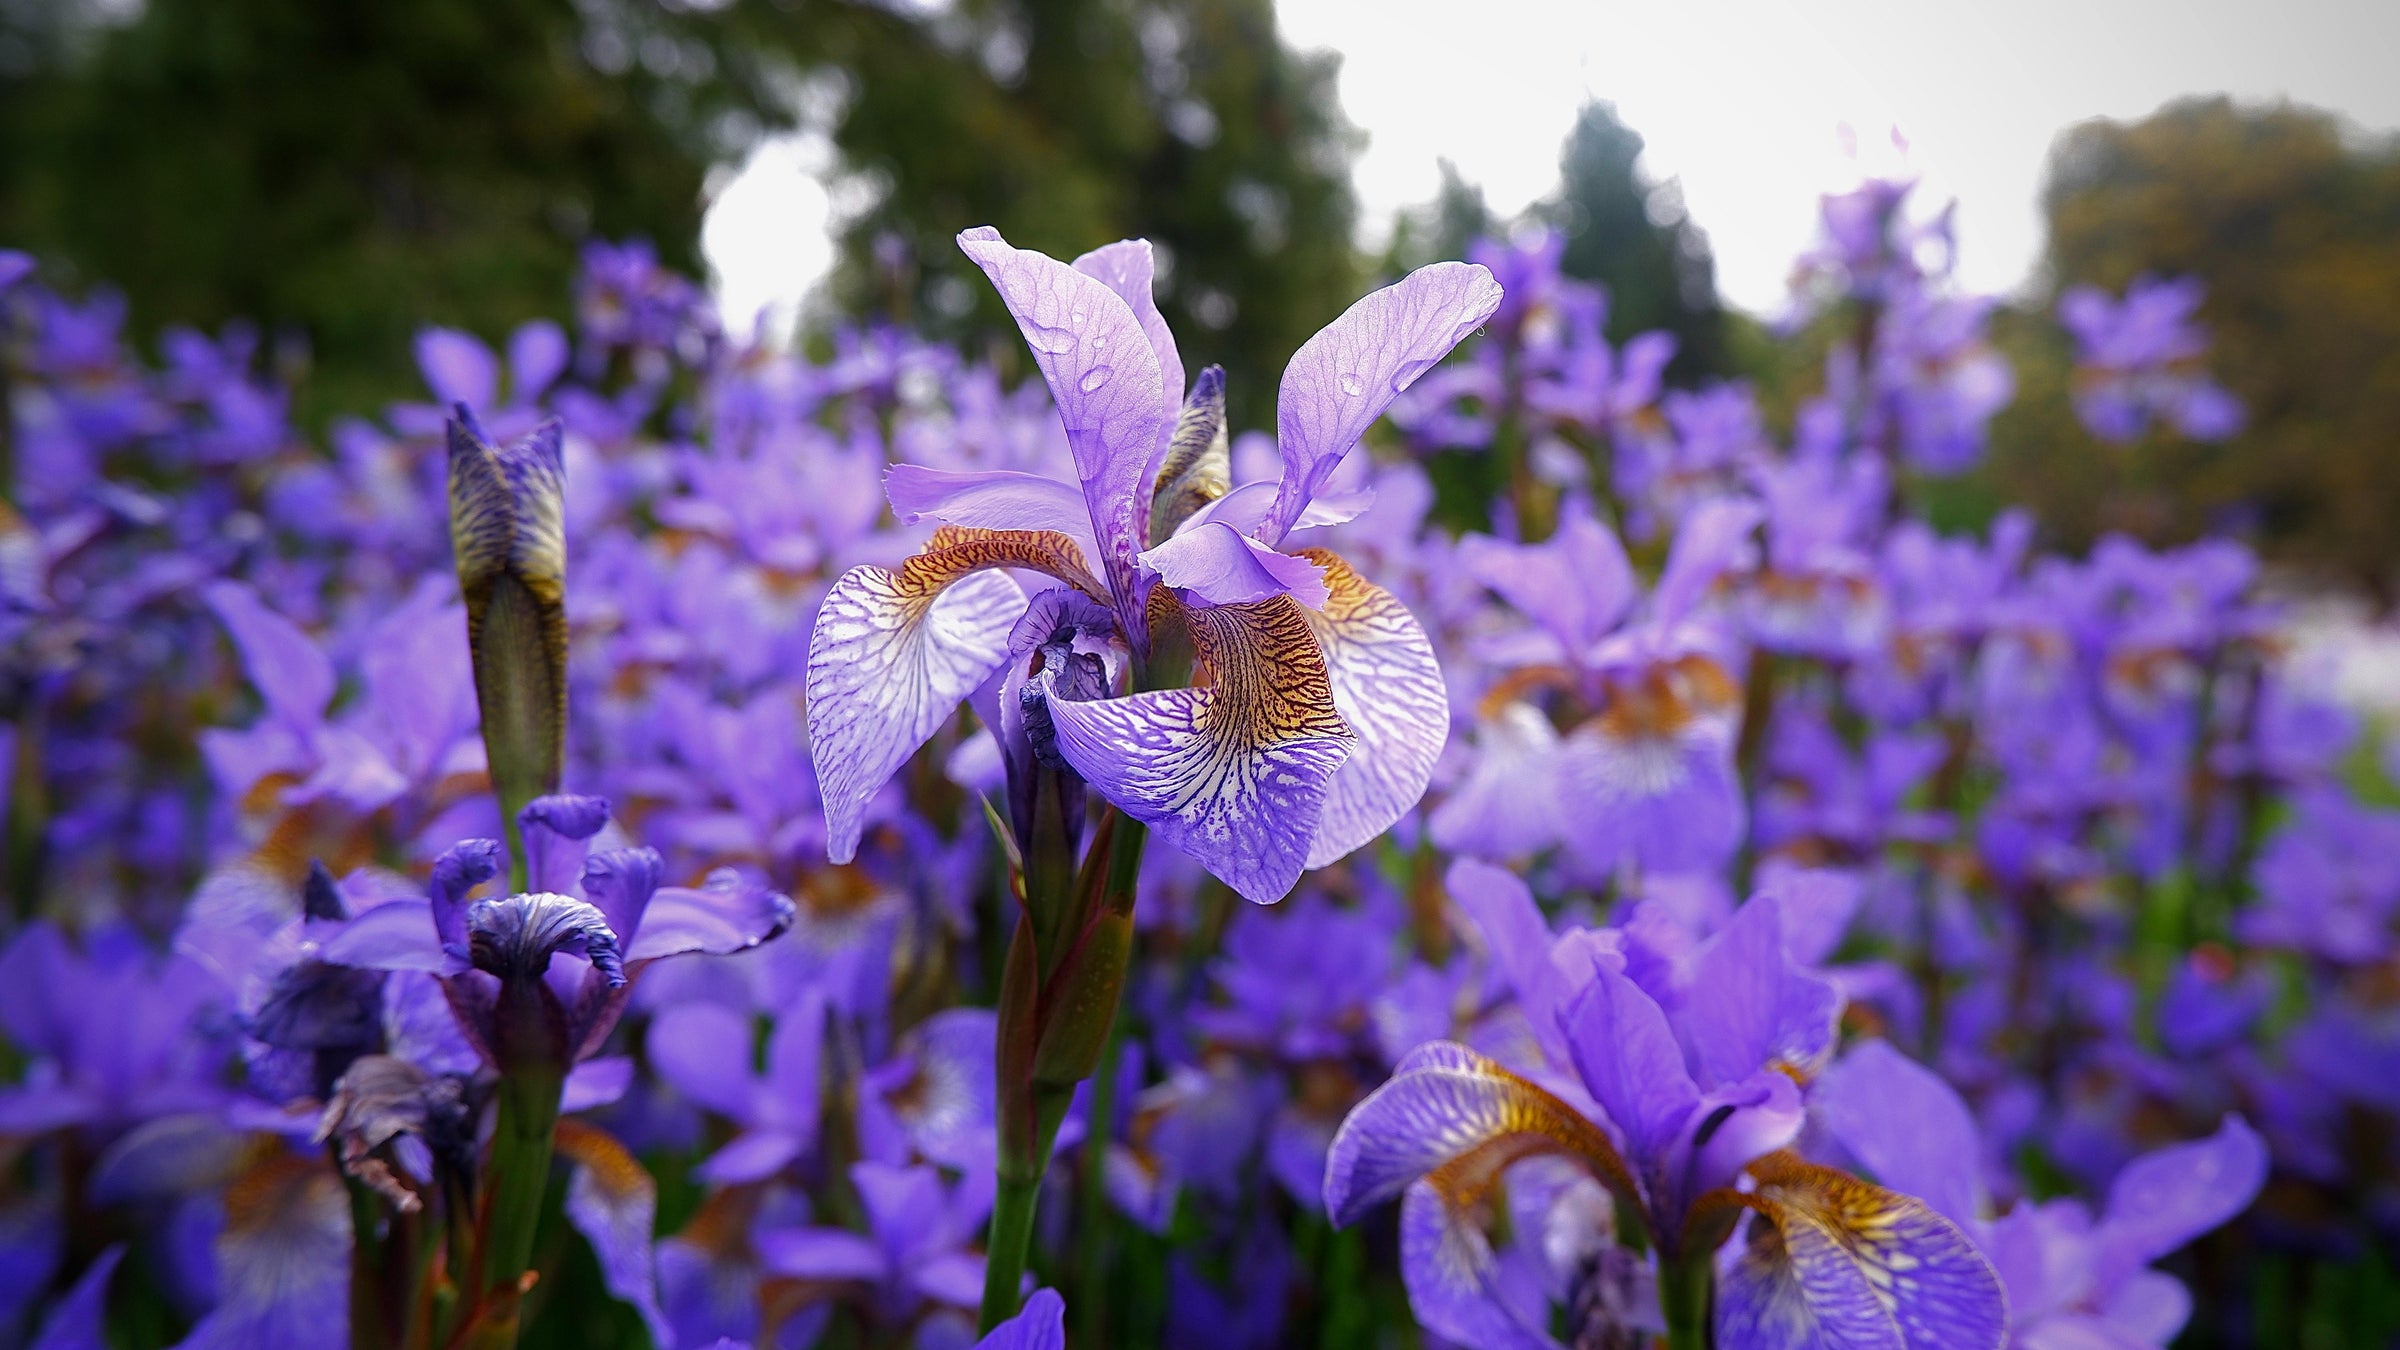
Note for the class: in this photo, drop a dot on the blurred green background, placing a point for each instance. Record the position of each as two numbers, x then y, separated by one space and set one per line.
344 173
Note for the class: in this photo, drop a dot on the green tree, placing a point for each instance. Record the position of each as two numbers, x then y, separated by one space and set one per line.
1069 123
351 170
1634 237
2295 227
1441 229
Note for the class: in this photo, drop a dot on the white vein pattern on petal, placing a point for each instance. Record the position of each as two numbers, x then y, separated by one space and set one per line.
885 669
1388 686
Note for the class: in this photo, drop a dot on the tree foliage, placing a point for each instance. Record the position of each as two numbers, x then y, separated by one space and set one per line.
2294 224
1069 123
1635 237
350 171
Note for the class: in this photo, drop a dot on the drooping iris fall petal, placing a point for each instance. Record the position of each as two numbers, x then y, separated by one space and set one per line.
1235 769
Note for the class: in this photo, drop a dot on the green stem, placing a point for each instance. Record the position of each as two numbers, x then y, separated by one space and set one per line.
1091 1304
518 1174
1011 1237
1684 1294
371 1325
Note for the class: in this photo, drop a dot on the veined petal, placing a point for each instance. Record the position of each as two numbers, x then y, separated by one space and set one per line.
508 508
1845 1263
1453 1278
282 1260
1342 379
1234 770
1105 379
894 652
1127 267
1218 564
990 499
1905 1125
1460 1118
1388 687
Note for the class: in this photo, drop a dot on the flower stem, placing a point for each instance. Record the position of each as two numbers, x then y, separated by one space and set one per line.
1057 1009
1011 1236
516 1172
1684 1294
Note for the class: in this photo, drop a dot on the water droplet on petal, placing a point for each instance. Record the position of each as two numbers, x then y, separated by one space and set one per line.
1051 340
1408 373
1353 385
1093 379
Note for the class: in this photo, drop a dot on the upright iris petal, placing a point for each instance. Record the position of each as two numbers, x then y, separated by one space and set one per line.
1107 382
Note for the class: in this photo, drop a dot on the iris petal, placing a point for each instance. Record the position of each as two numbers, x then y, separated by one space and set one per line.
1105 379
894 652
1846 1263
1455 1286
1234 770
1342 379
613 1202
1388 687
1454 1112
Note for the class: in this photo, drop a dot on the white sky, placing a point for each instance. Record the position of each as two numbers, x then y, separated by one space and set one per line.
1749 103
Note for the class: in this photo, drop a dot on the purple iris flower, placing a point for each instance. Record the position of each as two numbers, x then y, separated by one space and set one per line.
2329 882
935 1098
113 1032
2073 1278
915 1259
1668 1075
2138 360
584 947
703 1050
1299 990
411 728
1646 774
1318 709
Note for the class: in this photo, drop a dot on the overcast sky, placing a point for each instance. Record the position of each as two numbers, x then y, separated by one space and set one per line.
1756 106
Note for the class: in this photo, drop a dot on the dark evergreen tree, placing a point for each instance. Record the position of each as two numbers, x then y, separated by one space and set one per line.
1457 216
1635 237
